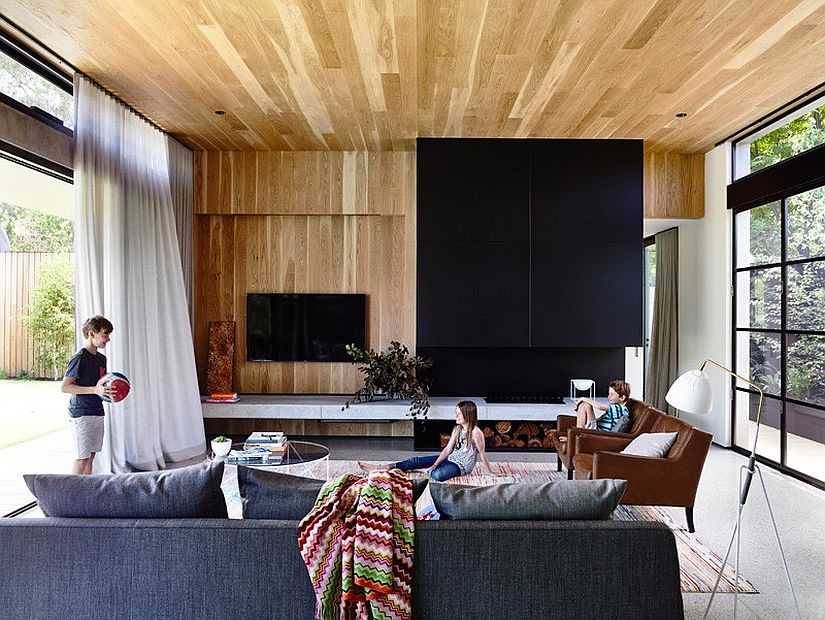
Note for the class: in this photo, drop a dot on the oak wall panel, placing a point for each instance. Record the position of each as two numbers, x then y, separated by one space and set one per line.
674 185
306 223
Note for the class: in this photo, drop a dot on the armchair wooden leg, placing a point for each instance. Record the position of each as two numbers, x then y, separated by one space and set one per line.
689 517
558 463
569 474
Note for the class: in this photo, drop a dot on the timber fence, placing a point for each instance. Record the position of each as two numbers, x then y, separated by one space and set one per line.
18 271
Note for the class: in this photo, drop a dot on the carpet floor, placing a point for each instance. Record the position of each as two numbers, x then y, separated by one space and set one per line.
699 565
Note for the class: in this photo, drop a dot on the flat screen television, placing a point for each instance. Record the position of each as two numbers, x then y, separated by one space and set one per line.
304 327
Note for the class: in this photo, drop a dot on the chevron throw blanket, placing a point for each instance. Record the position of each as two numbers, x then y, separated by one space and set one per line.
357 543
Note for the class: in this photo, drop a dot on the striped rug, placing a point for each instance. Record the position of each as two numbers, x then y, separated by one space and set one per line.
699 565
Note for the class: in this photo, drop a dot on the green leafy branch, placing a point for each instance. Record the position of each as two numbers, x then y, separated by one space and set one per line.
393 373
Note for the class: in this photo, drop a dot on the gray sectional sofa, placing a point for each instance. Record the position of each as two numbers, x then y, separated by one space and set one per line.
245 569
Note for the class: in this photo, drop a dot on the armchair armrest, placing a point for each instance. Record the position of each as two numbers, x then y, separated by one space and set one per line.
589 443
632 467
565 423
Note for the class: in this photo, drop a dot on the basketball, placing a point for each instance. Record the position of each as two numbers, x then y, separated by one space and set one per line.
119 384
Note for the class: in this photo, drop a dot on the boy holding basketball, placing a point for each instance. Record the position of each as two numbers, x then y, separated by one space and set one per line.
83 382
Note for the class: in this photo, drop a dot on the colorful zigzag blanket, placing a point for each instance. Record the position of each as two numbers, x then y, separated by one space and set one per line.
357 544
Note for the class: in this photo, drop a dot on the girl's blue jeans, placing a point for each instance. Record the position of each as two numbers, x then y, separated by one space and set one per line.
443 472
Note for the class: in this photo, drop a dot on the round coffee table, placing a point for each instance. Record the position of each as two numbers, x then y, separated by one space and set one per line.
301 458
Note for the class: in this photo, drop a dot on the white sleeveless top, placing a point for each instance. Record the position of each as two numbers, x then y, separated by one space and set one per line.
464 454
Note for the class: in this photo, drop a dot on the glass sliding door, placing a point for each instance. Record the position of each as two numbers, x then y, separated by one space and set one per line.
779 320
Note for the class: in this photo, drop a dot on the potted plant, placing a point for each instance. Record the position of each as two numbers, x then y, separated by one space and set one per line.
221 445
393 373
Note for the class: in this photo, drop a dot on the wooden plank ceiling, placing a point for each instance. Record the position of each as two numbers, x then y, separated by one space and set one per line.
376 74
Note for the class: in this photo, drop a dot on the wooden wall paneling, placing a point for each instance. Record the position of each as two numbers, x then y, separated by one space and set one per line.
674 185
306 222
245 426
304 183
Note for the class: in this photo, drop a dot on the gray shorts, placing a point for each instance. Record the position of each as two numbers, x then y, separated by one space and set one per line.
87 431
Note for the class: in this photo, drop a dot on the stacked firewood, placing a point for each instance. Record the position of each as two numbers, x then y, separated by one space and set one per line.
507 434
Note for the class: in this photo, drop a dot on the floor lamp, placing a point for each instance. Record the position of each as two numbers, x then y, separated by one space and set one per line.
692 393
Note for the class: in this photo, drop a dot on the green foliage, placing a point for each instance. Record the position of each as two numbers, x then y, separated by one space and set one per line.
3 375
805 293
29 88
394 374
791 139
804 297
32 231
24 375
50 317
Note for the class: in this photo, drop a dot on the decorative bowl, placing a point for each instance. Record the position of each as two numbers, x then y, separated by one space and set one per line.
582 384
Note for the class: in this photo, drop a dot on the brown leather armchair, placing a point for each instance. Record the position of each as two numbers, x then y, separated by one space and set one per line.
642 418
669 481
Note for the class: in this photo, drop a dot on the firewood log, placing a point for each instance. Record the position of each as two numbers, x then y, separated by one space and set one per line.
496 441
534 443
503 427
518 443
529 428
488 432
444 440
547 442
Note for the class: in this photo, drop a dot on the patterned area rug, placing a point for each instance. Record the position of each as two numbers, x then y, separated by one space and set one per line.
699 565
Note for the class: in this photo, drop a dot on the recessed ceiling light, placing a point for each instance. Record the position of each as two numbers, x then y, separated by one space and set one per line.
681 114
220 112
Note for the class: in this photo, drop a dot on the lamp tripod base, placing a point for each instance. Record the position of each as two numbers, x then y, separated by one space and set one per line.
746 473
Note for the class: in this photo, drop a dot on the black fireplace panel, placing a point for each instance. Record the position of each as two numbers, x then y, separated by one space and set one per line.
475 292
529 262
500 371
473 190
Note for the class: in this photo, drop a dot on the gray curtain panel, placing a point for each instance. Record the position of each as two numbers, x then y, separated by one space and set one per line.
664 340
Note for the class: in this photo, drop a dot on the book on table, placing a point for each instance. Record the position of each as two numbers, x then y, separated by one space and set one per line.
261 437
274 442
231 397
253 456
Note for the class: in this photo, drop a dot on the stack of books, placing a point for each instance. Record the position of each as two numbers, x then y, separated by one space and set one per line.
231 397
252 456
275 442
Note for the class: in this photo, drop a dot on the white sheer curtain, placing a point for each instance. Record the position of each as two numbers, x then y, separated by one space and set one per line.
128 268
181 182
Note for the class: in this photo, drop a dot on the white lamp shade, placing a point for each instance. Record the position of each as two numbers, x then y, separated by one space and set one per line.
691 393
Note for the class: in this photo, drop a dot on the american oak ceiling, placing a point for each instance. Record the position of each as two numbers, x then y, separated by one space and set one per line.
376 74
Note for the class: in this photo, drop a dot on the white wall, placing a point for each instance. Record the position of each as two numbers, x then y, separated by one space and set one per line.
704 291
634 370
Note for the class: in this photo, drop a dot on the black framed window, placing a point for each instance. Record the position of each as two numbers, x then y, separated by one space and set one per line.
779 140
33 86
779 321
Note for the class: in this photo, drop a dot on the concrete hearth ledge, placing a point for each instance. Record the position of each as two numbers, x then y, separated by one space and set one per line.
328 408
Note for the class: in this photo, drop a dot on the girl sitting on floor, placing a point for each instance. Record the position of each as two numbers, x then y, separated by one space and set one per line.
459 456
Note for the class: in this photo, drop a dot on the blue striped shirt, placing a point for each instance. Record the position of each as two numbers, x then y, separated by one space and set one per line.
611 416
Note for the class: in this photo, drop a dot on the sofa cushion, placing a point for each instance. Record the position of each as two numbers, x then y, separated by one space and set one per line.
655 445
270 495
557 500
187 492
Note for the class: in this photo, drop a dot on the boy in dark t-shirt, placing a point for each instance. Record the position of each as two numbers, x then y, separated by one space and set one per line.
82 381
